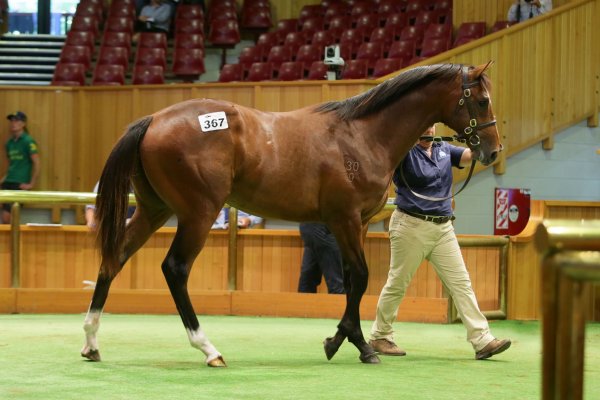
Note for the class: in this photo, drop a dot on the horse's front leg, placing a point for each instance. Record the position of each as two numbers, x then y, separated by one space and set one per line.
356 275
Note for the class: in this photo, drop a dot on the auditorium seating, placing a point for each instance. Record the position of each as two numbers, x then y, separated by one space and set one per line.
109 74
291 71
355 69
148 74
68 74
232 73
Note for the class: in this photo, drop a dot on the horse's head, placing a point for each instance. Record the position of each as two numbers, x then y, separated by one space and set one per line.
473 117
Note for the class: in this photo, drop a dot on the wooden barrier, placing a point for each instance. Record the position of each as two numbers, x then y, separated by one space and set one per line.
524 285
571 260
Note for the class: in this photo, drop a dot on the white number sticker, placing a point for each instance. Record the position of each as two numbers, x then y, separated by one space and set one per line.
213 122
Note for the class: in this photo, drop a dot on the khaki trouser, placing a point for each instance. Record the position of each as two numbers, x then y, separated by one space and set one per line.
411 241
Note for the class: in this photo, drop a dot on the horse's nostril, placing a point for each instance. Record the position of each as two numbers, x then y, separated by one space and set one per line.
493 156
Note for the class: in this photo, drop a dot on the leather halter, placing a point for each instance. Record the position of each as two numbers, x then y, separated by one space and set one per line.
469 136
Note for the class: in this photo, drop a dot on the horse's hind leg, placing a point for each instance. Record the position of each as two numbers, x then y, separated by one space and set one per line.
141 226
189 240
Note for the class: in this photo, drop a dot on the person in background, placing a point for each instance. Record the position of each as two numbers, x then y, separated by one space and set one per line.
244 220
522 10
90 212
22 162
322 257
422 229
155 17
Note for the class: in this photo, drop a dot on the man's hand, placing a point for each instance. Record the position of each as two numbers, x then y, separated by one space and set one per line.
25 186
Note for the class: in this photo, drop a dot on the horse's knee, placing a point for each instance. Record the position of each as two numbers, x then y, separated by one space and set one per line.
174 269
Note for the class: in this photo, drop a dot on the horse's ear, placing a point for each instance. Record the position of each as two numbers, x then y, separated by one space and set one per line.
481 68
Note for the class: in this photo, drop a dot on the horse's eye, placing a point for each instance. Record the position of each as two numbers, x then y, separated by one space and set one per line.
484 103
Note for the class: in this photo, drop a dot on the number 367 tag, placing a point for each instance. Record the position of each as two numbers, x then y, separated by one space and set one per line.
213 122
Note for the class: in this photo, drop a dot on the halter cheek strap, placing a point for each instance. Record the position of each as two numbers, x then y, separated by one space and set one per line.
470 132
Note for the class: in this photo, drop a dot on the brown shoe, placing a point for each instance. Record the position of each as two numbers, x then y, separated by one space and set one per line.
492 348
386 347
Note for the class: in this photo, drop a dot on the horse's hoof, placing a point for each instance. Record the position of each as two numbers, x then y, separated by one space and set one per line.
217 362
370 358
331 347
92 355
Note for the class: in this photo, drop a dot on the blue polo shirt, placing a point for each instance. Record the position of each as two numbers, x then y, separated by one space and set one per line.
427 176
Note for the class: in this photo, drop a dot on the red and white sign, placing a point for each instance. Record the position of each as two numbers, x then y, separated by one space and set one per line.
512 209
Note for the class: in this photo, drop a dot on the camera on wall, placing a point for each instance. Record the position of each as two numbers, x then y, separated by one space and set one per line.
334 62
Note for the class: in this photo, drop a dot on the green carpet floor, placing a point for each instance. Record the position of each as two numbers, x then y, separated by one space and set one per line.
149 357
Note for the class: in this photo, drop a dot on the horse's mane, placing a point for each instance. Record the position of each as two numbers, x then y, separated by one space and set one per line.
388 91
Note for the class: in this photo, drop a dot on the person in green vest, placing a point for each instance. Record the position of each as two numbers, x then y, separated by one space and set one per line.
22 161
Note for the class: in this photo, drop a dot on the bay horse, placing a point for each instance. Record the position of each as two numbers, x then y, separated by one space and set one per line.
331 162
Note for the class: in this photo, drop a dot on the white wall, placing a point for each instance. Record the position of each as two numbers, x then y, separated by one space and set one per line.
571 171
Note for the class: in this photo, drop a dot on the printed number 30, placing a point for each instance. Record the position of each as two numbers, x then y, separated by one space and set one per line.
213 123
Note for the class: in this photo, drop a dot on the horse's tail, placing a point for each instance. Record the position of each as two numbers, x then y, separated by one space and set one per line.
113 195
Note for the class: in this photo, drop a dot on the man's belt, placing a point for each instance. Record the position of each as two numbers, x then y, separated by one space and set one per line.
436 219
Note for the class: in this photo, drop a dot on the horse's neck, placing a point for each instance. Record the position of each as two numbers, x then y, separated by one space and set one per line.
397 128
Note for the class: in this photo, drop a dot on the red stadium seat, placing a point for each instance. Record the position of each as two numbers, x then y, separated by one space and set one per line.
499 25
231 73
76 55
371 52
355 69
294 40
250 55
322 39
389 7
352 38
267 40
113 55
120 9
360 8
367 23
185 25
119 24
291 71
85 24
262 71
152 40
385 66
148 75
403 49
434 46
385 35
311 11
224 32
278 55
189 41
417 59
189 11
471 29
222 10
397 21
439 31
67 74
415 32
335 10
443 5
80 38
148 56
317 71
337 25
256 18
427 17
285 26
117 39
188 63
463 40
109 74
312 25
88 9
308 54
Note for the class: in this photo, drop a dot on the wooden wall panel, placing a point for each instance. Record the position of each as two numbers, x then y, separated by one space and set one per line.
5 264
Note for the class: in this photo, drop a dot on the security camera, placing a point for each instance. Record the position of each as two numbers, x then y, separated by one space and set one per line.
332 56
334 62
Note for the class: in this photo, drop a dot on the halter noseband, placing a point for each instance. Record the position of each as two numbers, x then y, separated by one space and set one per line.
470 132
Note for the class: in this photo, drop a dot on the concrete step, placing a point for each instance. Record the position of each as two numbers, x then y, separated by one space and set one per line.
18 60
23 83
27 68
18 44
35 38
25 76
28 52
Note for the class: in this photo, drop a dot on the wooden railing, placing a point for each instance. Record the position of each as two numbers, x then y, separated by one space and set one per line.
571 261
261 263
